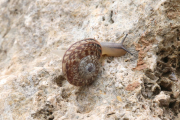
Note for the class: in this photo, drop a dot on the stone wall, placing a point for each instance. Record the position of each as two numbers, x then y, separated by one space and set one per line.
144 86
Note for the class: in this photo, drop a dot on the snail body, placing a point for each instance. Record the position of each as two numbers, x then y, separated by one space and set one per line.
80 63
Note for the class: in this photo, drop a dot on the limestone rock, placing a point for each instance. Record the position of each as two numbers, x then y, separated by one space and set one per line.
32 85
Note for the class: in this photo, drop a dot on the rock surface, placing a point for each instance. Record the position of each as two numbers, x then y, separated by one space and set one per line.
127 88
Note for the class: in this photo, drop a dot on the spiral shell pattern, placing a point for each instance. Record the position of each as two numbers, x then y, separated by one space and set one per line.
80 63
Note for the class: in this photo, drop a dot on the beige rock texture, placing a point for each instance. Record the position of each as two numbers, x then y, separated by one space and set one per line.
144 86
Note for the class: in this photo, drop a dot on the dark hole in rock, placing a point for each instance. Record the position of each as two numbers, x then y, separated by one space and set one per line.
173 47
111 15
172 104
164 103
165 87
165 84
174 65
59 79
50 113
171 95
165 59
125 118
156 91
175 106
103 18
51 118
162 51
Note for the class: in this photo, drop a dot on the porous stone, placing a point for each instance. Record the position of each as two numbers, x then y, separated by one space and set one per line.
33 35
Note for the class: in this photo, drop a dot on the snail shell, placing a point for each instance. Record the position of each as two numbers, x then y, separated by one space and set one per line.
81 62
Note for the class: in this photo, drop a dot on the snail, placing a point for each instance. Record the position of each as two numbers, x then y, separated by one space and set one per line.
80 64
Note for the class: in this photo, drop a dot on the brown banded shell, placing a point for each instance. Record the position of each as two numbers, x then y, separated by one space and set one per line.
80 63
